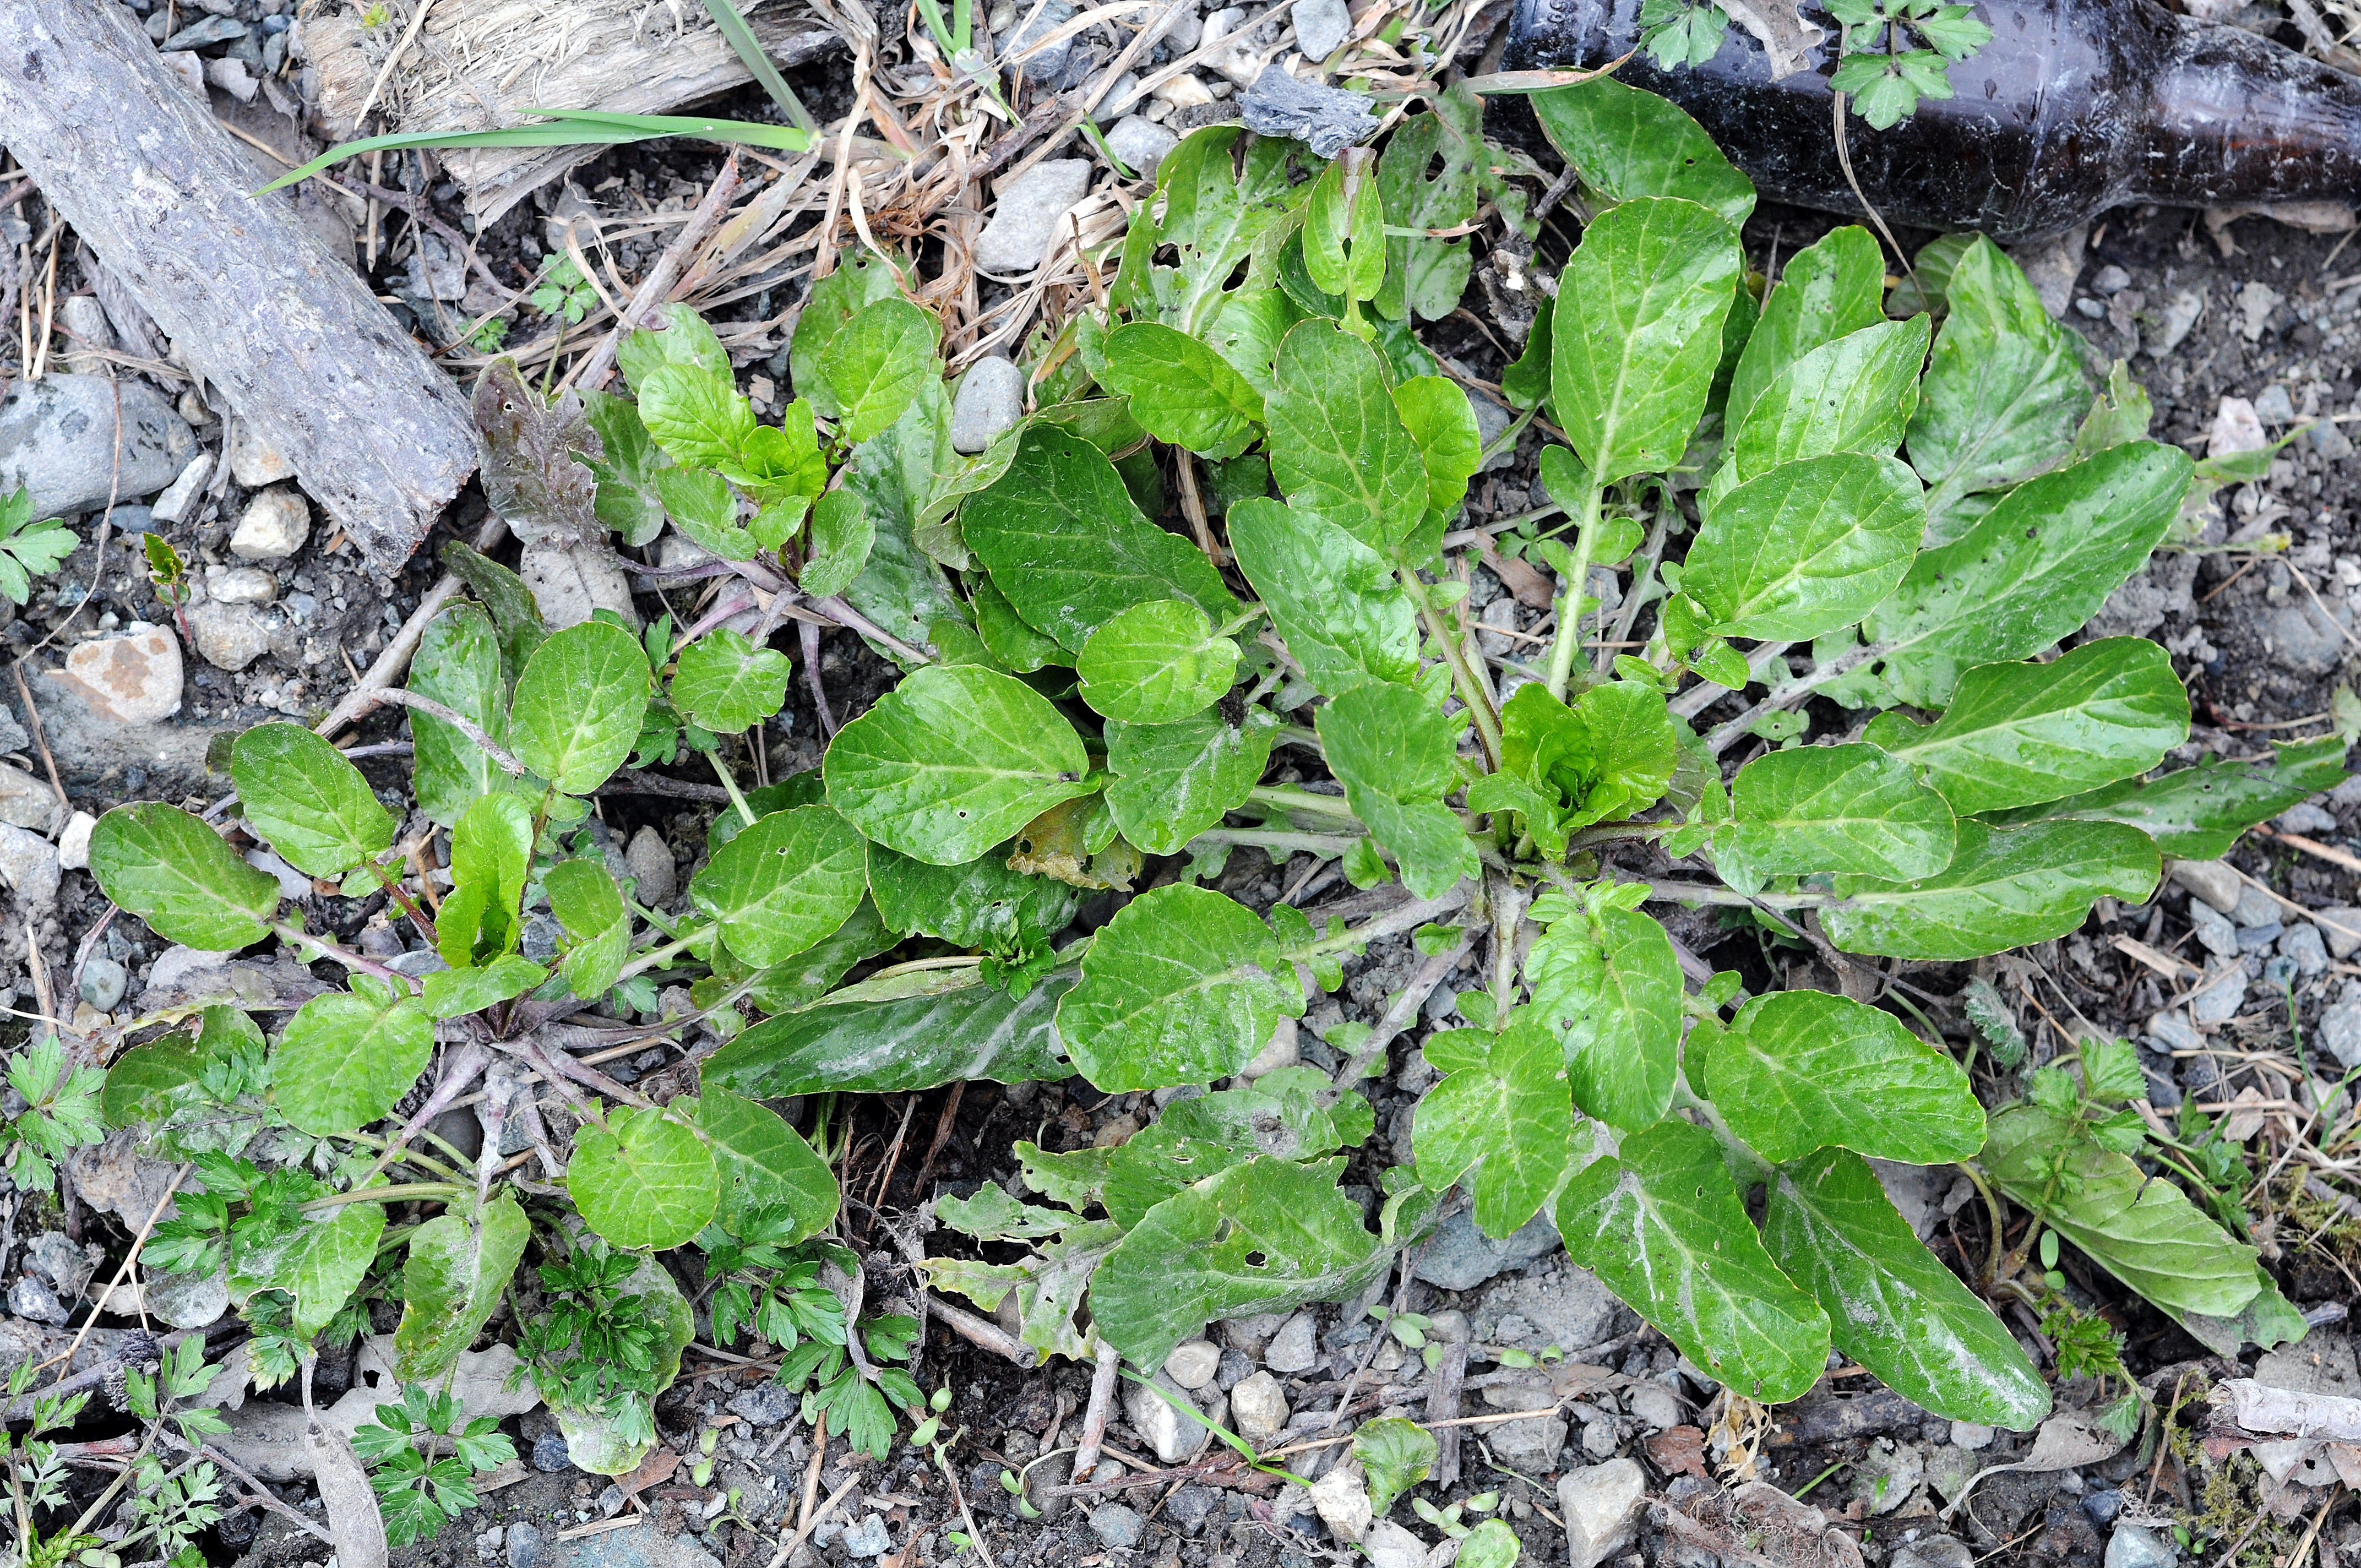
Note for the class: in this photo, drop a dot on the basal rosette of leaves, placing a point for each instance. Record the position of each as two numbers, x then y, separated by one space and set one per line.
1815 491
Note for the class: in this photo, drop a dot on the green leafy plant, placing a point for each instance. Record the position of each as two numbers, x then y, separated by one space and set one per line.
1847 702
418 1492
61 1114
28 549
563 290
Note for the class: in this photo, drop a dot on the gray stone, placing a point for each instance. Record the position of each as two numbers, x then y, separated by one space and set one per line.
57 439
1654 1405
1461 1257
2323 1361
1389 1545
184 495
1295 1347
228 636
2341 927
53 1256
2255 909
133 520
1933 1551
2180 314
2273 406
2306 641
1328 118
1112 106
1193 1363
1568 1307
1971 1436
197 35
765 1404
274 525
29 802
1600 1505
29 864
1235 1369
102 982
2340 1031
187 1300
253 461
2133 1547
549 1456
31 1298
436 271
1231 44
1259 1406
1028 213
1173 1436
2112 280
524 1545
650 859
1116 1526
1534 1443
2213 881
1046 67
2302 946
1321 26
2305 817
1251 1336
1141 144
569 584
2219 995
642 1546
241 585
868 1539
2214 932
1888 1474
990 400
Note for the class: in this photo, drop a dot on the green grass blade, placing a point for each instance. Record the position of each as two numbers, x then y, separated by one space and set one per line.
574 127
741 38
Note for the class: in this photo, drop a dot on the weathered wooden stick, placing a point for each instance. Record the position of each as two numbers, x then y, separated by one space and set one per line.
135 163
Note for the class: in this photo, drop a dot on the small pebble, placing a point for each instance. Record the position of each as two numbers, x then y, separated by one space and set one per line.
1116 1526
549 1456
650 859
1028 213
1141 144
102 982
524 1544
990 400
241 585
2132 1547
274 526
1321 26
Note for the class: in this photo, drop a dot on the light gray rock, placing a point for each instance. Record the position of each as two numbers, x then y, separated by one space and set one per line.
1193 1363
1534 1444
1600 1505
1888 1474
1329 118
1251 1336
183 497
1141 145
568 584
1567 1308
1174 1437
292 883
102 982
53 1256
2305 817
1321 26
1933 1551
436 271
2180 314
2212 881
29 864
29 802
2214 932
2301 946
990 400
132 678
2255 909
1116 1526
2220 994
641 1548
241 585
523 1547
1117 101
1047 67
1258 1406
274 525
1295 1347
1341 1498
1654 1405
1972 1437
1389 1545
58 440
228 636
2274 406
253 461
650 859
31 1298
2133 1546
2340 1031
1460 1256
868 1539
2307 640
2340 926
1028 213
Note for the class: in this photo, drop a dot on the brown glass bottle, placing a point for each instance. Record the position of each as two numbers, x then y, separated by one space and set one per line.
2075 107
